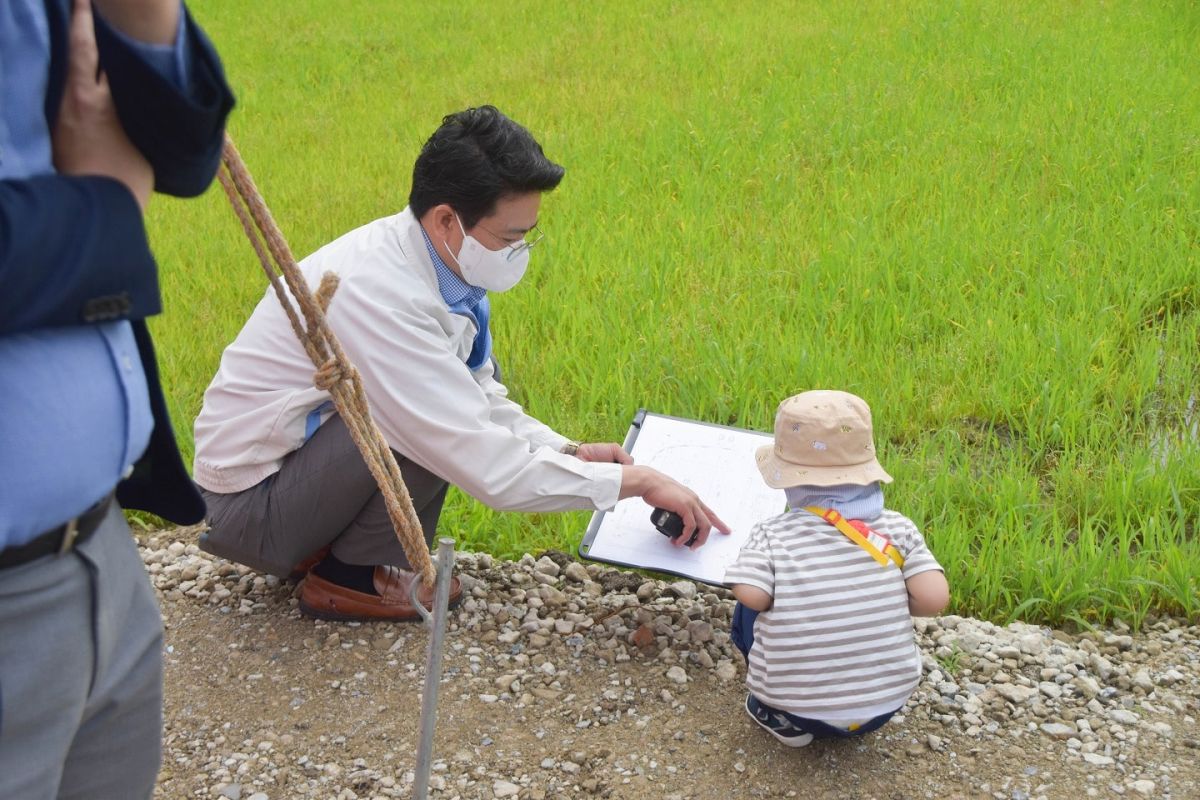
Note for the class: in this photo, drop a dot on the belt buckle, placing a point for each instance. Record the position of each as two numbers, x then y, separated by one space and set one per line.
69 536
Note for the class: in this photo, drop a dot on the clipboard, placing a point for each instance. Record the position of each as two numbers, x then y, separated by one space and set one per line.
715 461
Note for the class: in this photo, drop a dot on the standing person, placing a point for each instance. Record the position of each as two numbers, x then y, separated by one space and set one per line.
96 113
282 478
826 590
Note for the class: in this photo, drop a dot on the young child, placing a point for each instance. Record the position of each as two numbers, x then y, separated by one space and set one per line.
825 590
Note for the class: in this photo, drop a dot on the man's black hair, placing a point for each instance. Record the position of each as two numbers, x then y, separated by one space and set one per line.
475 158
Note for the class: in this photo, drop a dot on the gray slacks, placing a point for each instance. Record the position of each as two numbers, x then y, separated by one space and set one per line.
324 494
81 673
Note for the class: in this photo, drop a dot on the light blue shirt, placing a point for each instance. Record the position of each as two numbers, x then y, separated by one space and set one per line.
74 408
465 299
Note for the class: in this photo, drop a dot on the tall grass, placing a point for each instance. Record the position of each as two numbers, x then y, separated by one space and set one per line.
980 217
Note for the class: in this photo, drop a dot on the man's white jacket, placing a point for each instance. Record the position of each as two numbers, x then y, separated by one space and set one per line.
411 353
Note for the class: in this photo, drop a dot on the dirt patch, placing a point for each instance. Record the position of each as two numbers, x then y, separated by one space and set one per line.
264 703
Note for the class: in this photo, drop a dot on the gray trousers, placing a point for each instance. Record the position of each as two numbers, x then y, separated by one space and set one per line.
81 673
323 494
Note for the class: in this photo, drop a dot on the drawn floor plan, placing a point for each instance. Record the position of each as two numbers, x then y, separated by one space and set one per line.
716 462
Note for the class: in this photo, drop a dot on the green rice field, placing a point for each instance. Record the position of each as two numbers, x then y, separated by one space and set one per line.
981 217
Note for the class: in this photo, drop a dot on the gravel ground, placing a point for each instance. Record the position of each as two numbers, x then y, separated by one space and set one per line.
566 679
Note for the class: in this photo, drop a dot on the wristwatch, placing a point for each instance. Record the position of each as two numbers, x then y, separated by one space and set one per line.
570 448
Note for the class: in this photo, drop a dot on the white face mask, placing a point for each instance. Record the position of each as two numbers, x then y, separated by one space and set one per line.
493 270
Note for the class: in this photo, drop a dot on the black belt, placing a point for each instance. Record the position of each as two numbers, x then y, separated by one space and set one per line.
60 540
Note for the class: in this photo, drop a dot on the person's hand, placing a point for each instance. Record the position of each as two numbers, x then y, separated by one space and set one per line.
662 491
88 137
149 21
605 452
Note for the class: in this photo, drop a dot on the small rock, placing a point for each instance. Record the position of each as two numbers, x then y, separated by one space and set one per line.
1162 729
551 596
1032 644
576 572
677 674
684 589
642 637
1123 717
1142 680
1050 689
1170 677
1015 694
700 631
1057 730
505 789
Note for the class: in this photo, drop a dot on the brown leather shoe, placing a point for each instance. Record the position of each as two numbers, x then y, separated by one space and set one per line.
324 599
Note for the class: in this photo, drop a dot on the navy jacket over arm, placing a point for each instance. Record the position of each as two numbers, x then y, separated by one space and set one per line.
73 250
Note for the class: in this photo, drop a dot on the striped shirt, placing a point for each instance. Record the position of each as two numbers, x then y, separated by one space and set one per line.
837 643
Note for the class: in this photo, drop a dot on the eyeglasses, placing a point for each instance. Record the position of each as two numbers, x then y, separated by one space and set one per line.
524 245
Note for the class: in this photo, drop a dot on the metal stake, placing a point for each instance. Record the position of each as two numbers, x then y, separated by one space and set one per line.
433 660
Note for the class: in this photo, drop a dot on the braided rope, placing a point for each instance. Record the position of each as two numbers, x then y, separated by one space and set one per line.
335 374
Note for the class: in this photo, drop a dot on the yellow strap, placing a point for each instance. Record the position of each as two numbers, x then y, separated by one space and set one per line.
853 534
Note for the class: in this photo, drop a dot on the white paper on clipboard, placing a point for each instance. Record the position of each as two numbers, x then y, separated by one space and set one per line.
716 462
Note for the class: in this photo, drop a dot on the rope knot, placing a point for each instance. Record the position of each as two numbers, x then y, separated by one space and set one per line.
322 347
330 374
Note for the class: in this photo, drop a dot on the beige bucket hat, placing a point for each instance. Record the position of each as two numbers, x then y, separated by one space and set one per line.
822 438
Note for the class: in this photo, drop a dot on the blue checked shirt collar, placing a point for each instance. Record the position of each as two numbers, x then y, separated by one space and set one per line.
457 293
